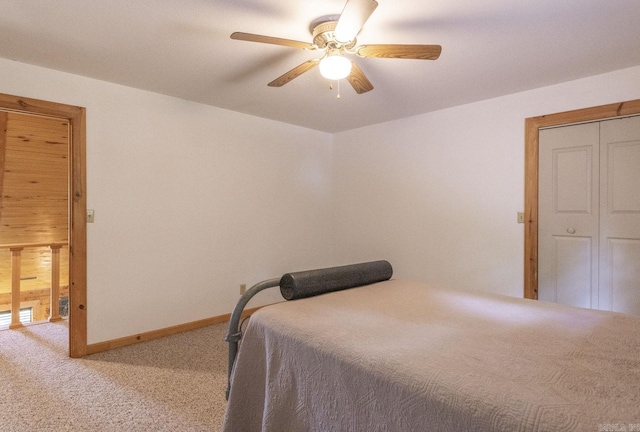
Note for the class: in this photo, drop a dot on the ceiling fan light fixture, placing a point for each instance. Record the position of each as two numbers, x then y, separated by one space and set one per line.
336 35
335 67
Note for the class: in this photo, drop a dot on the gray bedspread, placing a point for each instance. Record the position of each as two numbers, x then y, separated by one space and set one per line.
404 356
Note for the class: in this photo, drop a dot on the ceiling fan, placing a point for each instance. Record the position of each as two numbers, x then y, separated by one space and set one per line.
336 36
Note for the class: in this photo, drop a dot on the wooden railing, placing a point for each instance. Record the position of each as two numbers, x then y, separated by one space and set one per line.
16 268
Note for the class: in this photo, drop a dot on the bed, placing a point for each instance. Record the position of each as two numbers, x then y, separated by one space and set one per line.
398 355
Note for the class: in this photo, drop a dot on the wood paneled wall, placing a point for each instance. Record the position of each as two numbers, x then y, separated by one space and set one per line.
34 195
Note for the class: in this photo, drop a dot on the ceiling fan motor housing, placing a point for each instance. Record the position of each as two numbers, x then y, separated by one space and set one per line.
323 36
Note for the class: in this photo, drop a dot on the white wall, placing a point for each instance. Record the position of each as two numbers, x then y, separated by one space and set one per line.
190 201
193 200
438 194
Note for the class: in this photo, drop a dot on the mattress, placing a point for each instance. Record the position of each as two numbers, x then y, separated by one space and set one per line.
408 356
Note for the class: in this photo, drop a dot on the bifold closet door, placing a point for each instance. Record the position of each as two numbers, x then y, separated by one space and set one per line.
568 198
620 215
589 215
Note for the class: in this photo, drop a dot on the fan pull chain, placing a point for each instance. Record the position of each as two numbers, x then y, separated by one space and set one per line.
331 88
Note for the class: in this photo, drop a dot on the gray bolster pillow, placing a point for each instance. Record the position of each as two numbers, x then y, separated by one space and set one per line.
314 282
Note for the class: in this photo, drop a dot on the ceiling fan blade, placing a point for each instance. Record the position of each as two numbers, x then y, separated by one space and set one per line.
352 19
271 40
421 52
358 80
294 73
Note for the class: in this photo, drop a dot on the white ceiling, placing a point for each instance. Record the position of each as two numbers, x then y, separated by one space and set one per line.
182 48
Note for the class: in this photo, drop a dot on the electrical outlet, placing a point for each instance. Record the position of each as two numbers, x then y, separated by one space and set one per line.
243 288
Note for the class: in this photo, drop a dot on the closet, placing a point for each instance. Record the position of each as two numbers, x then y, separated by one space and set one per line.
589 215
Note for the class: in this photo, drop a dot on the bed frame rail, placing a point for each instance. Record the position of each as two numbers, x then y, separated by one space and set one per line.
235 333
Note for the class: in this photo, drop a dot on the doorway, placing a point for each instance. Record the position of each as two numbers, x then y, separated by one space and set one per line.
532 128
75 116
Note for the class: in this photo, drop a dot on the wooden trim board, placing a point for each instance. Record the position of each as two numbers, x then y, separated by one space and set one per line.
155 334
3 150
532 127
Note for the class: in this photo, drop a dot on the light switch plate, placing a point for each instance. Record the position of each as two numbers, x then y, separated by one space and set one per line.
91 214
520 217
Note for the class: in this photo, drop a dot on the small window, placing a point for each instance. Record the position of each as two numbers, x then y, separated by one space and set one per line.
26 316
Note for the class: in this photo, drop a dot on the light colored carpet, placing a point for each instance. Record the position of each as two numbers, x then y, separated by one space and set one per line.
175 383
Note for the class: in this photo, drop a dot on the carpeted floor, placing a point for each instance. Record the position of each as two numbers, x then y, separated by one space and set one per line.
175 383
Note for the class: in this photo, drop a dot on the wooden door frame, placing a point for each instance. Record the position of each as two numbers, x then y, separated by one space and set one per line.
78 209
532 127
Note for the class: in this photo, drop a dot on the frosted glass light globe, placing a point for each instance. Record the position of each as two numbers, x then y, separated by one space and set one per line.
335 67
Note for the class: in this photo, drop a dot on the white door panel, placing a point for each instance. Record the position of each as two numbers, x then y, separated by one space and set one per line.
620 215
573 262
568 231
572 172
623 256
624 177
